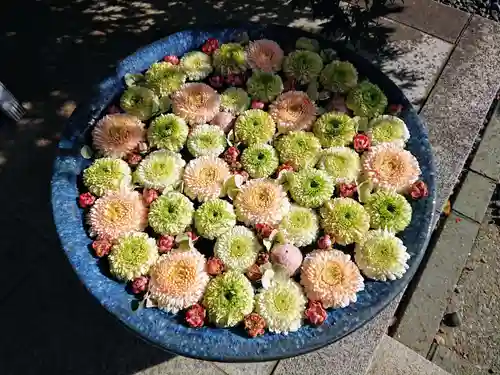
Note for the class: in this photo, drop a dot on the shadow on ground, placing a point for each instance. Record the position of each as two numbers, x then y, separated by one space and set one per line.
52 53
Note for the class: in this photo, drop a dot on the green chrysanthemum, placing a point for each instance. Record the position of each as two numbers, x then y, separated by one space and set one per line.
197 65
388 128
238 248
171 214
228 299
107 174
160 170
169 132
334 129
230 58
298 148
345 220
165 78
206 140
388 210
366 100
282 306
254 126
341 163
132 256
307 44
339 76
140 102
303 66
300 226
214 218
260 160
311 187
381 256
264 86
234 100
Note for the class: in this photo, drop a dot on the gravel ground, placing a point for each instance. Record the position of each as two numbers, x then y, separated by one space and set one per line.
486 8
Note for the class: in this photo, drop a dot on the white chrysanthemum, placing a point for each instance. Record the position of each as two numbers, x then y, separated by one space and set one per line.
204 178
206 140
381 256
300 226
341 163
197 65
178 280
160 170
237 248
388 128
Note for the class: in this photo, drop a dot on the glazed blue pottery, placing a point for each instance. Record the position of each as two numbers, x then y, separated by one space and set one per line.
166 330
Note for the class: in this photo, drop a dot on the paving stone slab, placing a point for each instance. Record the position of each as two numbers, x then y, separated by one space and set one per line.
262 368
474 196
183 366
456 365
421 318
393 358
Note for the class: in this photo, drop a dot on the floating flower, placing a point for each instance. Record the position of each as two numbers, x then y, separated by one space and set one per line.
165 78
254 126
234 100
288 257
300 226
264 86
165 244
293 111
282 306
315 313
238 248
139 285
325 242
171 214
311 187
299 149
348 190
107 174
381 256
361 143
307 44
388 128
419 190
223 120
168 131
264 55
206 140
133 159
197 65
334 129
86 200
117 135
254 325
214 218
195 316
140 102
102 247
204 178
303 66
215 266
117 213
178 280
339 76
390 167
228 299
254 273
230 58
388 210
260 160
366 100
345 220
161 170
261 201
341 163
132 256
330 277
196 103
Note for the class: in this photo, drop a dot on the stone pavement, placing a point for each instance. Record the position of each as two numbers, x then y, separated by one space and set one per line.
445 60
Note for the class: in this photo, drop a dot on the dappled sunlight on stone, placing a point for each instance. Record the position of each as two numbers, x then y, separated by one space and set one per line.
67 109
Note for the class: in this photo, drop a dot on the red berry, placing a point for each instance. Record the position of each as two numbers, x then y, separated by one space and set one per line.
315 313
254 324
216 82
139 285
86 200
419 190
264 230
149 195
254 273
134 159
214 266
171 59
213 42
325 242
195 316
257 104
284 167
165 244
102 247
395 109
262 258
361 142
347 190
231 155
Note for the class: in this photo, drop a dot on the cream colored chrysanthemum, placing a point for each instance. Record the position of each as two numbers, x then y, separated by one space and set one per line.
118 134
293 111
238 248
204 178
388 128
329 276
390 167
341 163
160 170
206 140
265 55
197 103
261 201
178 280
118 213
300 226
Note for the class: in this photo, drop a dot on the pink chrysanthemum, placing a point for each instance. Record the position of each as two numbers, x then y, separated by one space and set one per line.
178 280
390 167
204 178
196 103
265 55
293 111
261 201
118 134
329 276
118 213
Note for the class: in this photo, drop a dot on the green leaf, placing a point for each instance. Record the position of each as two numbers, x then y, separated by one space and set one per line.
133 79
231 138
365 191
312 90
86 152
135 305
361 123
165 104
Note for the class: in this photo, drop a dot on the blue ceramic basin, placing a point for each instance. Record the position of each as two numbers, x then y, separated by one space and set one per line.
165 330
